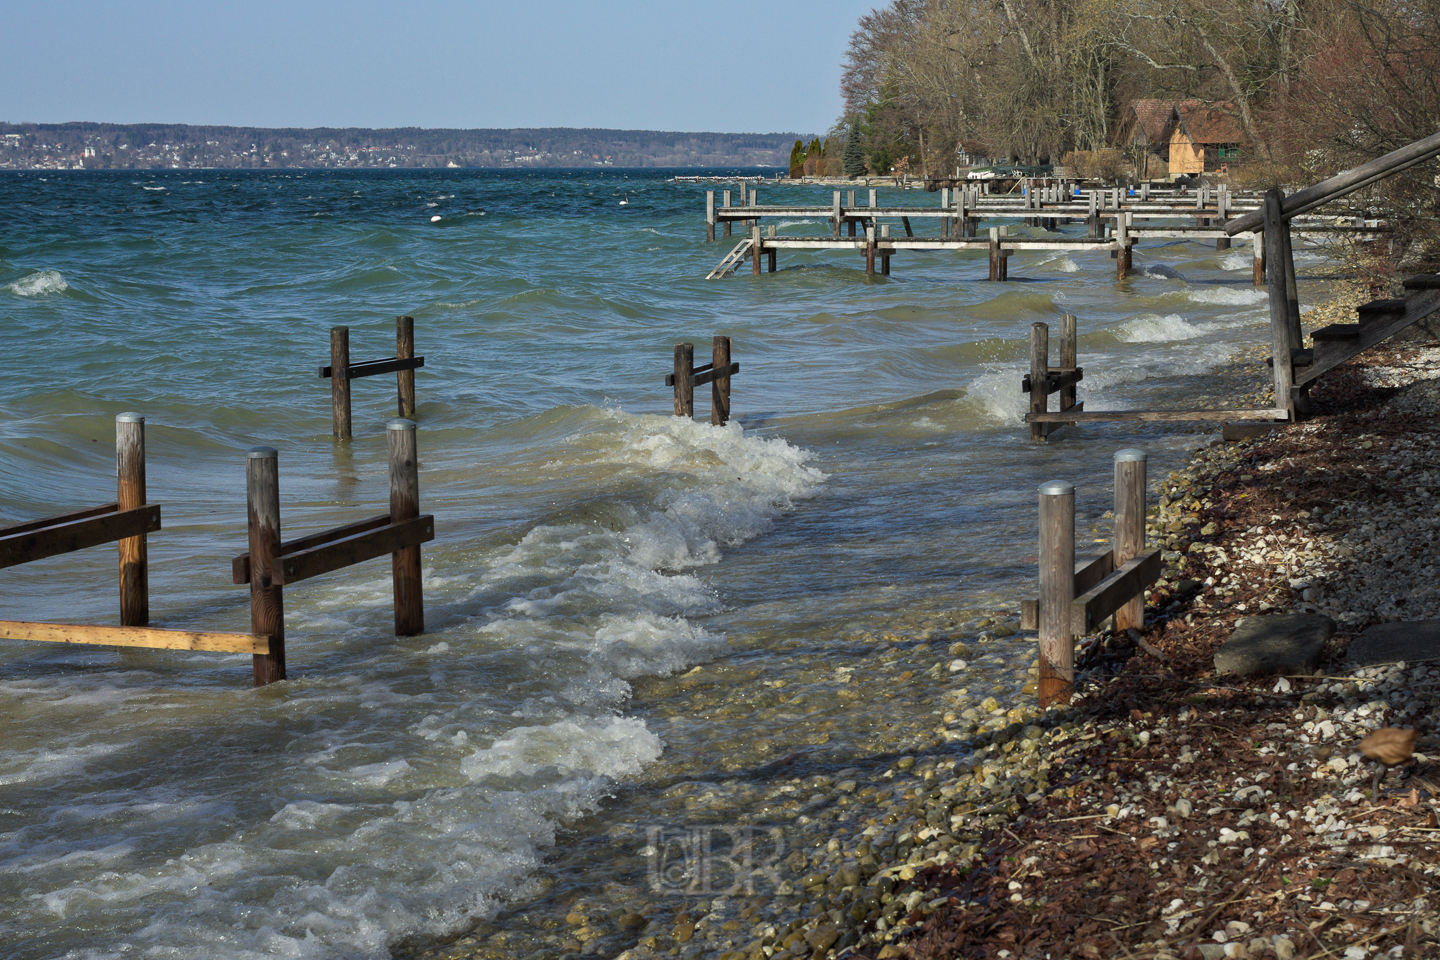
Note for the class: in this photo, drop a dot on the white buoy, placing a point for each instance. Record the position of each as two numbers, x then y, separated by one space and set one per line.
435 219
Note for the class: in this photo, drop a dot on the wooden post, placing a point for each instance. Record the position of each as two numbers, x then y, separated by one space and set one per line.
684 380
873 195
1122 260
756 249
1057 590
1039 375
267 599
994 253
1279 306
725 198
720 386
710 216
340 382
1258 250
1092 219
405 350
869 251
885 257
1223 243
1130 528
1069 358
405 505
129 494
1292 290
837 214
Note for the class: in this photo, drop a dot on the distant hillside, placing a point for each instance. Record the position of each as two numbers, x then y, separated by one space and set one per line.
99 146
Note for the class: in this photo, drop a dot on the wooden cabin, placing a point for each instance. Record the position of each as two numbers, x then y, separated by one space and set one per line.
1204 138
1189 136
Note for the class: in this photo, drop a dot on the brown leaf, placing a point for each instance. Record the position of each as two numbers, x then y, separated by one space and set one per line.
1413 800
1389 745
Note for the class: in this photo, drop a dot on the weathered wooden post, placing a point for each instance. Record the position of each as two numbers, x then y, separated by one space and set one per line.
684 379
720 386
873 195
1258 251
725 203
1092 219
1069 358
1223 243
405 350
997 262
130 493
1122 239
885 257
869 250
837 214
756 248
1129 528
770 251
340 381
710 216
1039 375
267 600
1275 269
1057 591
405 505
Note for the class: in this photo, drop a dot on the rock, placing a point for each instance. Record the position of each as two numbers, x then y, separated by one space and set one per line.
1284 948
1389 642
683 932
632 921
824 934
1280 643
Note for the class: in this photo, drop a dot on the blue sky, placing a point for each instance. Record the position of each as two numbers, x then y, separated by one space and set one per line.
631 64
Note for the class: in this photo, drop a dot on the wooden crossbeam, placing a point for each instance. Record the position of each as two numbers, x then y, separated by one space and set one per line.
1089 609
240 566
149 637
1277 413
706 373
356 548
372 368
1087 574
75 531
1056 380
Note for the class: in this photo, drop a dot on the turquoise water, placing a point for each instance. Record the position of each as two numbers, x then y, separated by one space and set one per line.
154 803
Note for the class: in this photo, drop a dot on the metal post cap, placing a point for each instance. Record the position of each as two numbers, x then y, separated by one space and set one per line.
400 424
129 418
1056 488
261 452
1130 455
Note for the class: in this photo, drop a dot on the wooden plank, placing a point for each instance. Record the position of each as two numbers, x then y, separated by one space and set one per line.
712 374
1347 181
1330 355
240 566
1055 382
346 551
149 637
60 518
1087 573
69 536
1156 415
1089 610
371 368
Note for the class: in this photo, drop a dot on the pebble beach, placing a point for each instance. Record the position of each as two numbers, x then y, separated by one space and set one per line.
1168 812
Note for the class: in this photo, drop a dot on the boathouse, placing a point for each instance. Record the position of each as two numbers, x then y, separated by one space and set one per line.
1204 138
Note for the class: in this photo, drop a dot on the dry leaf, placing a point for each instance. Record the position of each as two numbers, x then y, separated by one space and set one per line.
1389 745
1413 800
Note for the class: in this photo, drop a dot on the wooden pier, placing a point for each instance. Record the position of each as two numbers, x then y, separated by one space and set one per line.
1115 223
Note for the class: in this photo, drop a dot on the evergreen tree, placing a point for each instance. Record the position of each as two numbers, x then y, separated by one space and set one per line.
816 151
797 159
854 155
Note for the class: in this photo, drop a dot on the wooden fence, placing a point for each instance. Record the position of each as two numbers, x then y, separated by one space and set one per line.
1075 598
1043 379
717 373
128 521
403 365
269 565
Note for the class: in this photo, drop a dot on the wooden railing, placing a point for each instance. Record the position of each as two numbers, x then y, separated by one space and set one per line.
128 520
403 365
717 373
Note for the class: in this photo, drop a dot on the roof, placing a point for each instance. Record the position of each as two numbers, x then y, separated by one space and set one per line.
1209 122
1150 117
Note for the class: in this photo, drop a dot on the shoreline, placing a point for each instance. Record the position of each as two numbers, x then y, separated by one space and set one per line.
904 854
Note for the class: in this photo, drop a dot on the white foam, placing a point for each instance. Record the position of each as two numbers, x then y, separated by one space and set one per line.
996 394
38 284
1233 296
1152 328
1066 265
1235 260
617 747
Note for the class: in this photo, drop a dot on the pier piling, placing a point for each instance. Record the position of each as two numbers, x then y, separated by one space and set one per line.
1057 592
130 495
405 505
267 598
